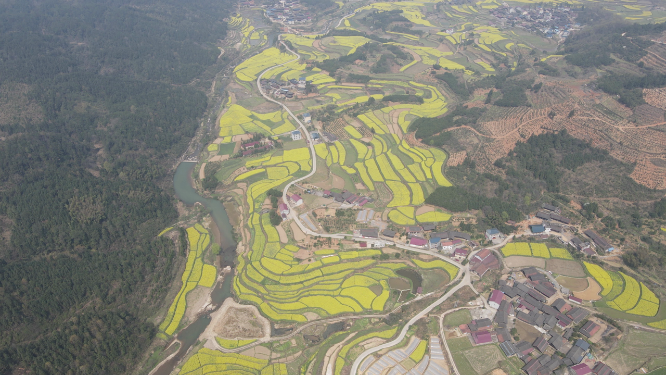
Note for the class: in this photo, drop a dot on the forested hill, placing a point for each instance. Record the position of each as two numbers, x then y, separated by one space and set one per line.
96 102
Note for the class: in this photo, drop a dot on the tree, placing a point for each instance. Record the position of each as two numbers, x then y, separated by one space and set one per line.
489 97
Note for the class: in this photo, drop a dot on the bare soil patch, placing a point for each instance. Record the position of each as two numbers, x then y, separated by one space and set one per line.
298 233
573 284
377 289
311 316
260 352
219 158
591 293
282 233
359 186
196 300
202 171
338 182
303 254
518 262
526 332
399 284
240 321
565 267
424 209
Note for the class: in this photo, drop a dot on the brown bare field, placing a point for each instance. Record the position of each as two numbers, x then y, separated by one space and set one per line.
303 254
526 332
282 233
456 158
338 182
399 284
239 321
655 97
202 171
260 352
591 293
598 119
298 233
519 262
565 267
573 284
424 209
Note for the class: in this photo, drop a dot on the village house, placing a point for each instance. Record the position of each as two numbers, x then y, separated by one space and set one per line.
297 200
460 254
415 230
495 299
283 209
418 242
296 135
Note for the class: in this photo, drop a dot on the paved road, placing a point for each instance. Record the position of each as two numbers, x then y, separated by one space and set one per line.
465 282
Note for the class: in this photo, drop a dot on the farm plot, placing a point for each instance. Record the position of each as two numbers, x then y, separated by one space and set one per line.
249 69
210 361
565 267
535 250
196 273
624 293
239 120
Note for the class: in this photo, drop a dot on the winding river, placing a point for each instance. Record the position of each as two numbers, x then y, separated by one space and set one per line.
182 182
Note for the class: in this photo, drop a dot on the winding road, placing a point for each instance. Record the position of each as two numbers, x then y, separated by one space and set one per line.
463 273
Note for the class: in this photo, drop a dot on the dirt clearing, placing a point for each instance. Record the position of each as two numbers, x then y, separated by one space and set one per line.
233 320
298 233
591 293
202 171
573 284
338 182
282 233
519 262
565 267
424 209
526 332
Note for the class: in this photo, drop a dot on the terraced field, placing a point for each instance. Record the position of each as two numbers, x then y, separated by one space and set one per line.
535 250
624 293
196 273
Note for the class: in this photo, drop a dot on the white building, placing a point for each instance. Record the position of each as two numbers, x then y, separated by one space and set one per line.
296 135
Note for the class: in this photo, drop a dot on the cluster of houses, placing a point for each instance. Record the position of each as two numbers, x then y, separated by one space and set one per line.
446 242
254 147
284 89
586 247
288 12
552 221
483 261
557 21
347 197
554 351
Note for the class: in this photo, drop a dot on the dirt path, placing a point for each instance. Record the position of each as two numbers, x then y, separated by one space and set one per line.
332 354
202 171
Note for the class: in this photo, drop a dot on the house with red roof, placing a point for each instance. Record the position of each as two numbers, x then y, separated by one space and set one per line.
460 254
495 299
283 210
581 369
589 329
482 337
418 242
297 200
576 300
